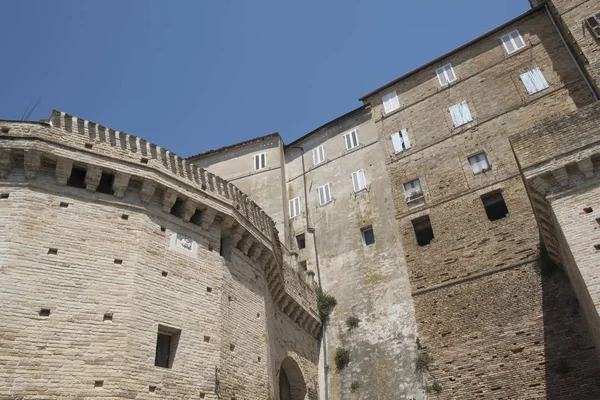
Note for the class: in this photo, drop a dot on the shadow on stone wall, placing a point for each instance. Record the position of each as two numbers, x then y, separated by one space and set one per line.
572 367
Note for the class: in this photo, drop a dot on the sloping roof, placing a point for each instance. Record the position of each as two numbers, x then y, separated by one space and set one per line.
233 146
438 59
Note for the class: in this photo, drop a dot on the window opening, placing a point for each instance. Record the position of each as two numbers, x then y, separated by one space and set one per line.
351 139
534 81
106 183
494 204
368 235
77 178
512 42
167 340
479 163
301 241
260 161
390 102
413 190
460 114
359 181
324 194
294 207
318 155
423 230
400 141
445 74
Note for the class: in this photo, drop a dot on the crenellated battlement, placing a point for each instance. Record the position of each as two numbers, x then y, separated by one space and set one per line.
201 198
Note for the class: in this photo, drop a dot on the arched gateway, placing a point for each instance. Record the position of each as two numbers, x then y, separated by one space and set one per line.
291 381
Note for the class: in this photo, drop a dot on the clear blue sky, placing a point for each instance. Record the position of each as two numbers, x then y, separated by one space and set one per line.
196 75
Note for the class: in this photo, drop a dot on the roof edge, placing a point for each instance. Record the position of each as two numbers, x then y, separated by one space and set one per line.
456 50
206 153
325 125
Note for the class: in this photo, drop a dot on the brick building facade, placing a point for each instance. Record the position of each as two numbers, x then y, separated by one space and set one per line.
453 216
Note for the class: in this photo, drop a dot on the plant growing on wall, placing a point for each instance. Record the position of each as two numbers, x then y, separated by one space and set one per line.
354 386
423 359
342 358
326 303
352 322
435 387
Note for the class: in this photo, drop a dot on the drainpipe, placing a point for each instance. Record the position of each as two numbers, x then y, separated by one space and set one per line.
562 38
312 231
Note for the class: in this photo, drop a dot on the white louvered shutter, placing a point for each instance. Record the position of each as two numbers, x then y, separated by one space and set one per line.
465 113
397 142
527 80
358 180
390 102
324 194
318 155
405 140
456 115
539 80
294 207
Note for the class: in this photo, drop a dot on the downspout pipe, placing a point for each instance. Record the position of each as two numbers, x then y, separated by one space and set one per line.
562 38
312 231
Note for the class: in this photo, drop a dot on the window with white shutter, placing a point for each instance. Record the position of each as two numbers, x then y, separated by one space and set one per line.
390 102
260 161
413 190
445 74
318 155
534 81
359 182
351 139
400 141
294 207
479 163
460 114
324 194
512 42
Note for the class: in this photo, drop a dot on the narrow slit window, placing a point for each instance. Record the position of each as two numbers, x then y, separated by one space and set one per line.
390 102
368 235
512 42
359 181
413 190
445 74
77 178
423 230
593 23
534 81
167 340
494 205
351 139
460 114
400 141
479 163
301 241
294 207
318 155
106 183
260 161
324 194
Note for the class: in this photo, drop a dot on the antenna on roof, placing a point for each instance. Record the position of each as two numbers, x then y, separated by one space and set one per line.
29 110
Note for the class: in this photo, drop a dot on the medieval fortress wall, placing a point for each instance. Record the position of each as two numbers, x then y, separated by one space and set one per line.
108 241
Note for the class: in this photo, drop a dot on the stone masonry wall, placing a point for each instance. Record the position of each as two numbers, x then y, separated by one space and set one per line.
479 302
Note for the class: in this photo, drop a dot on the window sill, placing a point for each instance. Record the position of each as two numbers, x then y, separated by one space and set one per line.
483 172
384 115
415 202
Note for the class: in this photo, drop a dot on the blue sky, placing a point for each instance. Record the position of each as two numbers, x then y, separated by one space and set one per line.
197 75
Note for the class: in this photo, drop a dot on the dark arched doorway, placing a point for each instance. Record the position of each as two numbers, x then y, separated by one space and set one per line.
291 381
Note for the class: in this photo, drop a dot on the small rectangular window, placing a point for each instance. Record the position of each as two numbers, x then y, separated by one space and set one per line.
359 182
351 139
534 81
390 102
368 235
318 155
593 24
167 340
294 207
494 205
301 241
260 161
479 163
423 230
460 114
445 74
77 178
512 42
413 190
106 183
324 194
400 141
